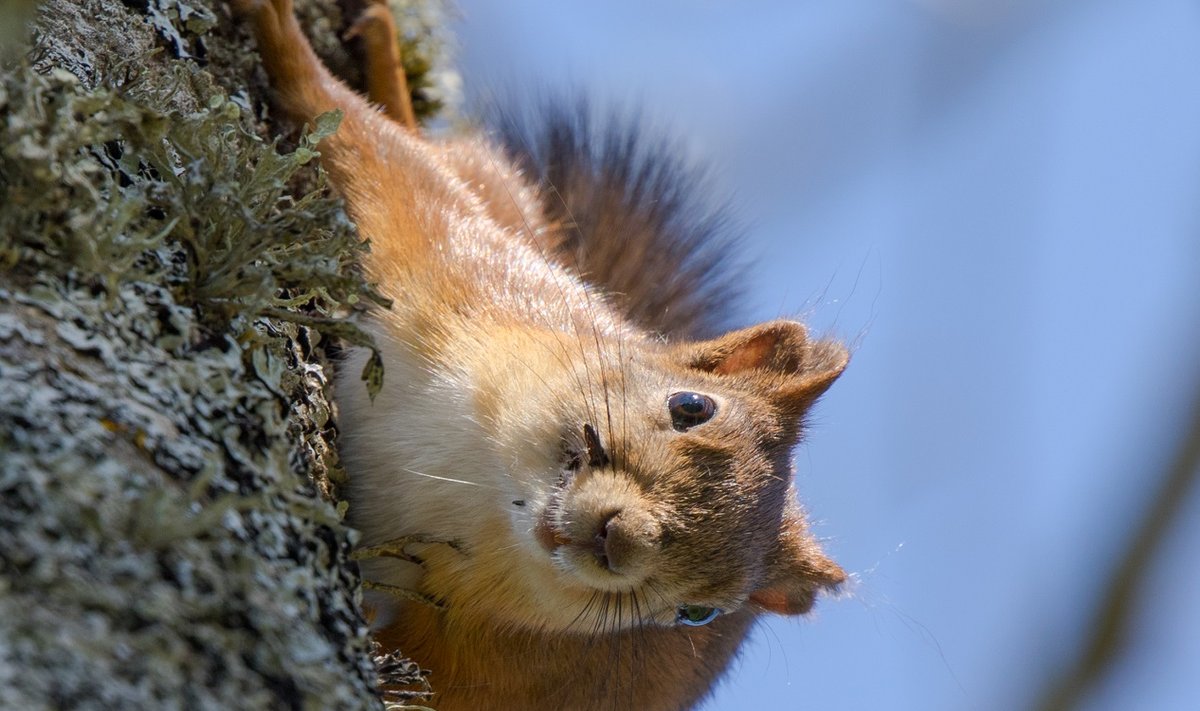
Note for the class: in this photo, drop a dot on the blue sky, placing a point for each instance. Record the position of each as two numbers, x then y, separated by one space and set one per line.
998 204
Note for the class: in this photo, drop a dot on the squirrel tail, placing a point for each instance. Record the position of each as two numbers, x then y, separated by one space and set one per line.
637 218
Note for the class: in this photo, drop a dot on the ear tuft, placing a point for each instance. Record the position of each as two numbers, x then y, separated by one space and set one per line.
772 346
775 348
824 363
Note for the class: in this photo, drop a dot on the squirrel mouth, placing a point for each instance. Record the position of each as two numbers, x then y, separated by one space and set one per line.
599 532
552 539
545 531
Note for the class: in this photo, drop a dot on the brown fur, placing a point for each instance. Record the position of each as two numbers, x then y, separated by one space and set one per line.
636 217
491 668
528 420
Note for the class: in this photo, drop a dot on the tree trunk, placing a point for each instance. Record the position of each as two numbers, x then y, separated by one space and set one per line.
169 532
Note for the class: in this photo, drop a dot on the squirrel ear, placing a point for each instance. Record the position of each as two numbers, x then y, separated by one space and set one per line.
798 572
774 348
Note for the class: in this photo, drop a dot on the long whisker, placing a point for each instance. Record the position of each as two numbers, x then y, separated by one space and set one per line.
600 351
613 634
652 586
448 479
637 642
583 612
622 450
534 243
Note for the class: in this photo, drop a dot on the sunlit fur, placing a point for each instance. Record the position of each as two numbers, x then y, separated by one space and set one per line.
574 548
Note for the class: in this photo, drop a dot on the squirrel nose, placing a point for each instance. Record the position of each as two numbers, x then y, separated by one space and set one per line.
604 535
623 540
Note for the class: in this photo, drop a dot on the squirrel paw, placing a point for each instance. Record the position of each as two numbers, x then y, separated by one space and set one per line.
398 548
386 83
278 8
274 25
372 18
404 594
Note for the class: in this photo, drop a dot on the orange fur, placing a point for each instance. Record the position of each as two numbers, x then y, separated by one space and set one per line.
525 419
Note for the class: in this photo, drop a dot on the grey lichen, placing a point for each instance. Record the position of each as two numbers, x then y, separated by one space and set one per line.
426 43
157 549
168 279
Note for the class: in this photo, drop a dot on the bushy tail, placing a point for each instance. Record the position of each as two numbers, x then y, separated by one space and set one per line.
637 217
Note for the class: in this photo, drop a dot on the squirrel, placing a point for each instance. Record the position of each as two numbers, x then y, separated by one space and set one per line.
574 510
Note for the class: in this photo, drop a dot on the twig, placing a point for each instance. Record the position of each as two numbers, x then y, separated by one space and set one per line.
1110 629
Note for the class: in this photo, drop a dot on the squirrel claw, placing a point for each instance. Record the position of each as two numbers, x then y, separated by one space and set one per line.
386 82
405 594
281 8
373 15
398 548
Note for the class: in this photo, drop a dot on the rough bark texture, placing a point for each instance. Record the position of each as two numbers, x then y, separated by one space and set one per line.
167 280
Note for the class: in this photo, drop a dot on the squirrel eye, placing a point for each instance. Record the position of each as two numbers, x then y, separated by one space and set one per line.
695 615
690 409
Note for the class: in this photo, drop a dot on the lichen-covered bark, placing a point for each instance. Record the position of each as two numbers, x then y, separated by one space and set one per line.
168 278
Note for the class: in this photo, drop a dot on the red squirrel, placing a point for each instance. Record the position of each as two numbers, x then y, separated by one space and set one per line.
619 505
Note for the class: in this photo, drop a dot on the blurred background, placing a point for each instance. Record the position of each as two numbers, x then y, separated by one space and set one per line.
998 204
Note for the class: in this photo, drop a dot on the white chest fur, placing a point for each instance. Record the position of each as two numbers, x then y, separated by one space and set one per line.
417 457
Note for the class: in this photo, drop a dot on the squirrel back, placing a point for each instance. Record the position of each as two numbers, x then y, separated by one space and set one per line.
634 217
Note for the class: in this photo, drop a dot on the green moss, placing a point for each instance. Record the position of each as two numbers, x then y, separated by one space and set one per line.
167 281
104 187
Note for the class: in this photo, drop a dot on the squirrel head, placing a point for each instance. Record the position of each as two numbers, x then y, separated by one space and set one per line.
778 363
658 489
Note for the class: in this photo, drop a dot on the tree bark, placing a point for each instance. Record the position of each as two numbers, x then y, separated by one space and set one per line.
169 530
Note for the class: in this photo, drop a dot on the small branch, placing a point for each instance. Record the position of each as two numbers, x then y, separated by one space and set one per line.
1110 629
